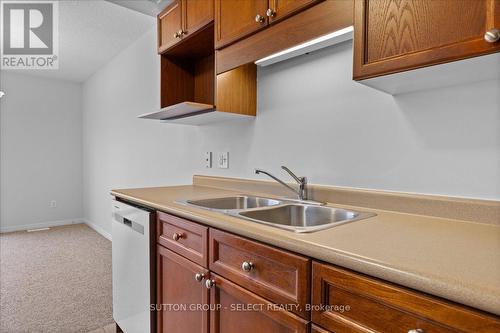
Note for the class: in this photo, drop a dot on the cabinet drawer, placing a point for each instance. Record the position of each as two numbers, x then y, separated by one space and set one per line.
186 238
344 301
277 275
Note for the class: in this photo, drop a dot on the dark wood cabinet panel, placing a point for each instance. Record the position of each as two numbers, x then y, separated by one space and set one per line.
397 35
181 20
237 90
280 9
197 14
320 19
239 310
262 295
169 23
180 295
277 275
237 19
184 237
344 301
317 329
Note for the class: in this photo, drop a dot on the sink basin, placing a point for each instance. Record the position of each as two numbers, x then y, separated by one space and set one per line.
302 218
236 202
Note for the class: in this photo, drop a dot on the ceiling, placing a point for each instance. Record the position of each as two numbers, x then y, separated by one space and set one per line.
91 33
148 7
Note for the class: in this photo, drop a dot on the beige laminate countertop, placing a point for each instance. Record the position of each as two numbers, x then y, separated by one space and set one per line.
456 260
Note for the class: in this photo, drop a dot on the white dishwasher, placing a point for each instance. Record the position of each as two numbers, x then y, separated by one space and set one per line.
131 259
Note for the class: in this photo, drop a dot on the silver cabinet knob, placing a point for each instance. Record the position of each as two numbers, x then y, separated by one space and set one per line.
259 18
209 283
247 266
176 35
270 12
199 277
417 330
176 236
492 36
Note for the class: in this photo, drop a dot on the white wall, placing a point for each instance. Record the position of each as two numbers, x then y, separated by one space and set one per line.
311 117
41 151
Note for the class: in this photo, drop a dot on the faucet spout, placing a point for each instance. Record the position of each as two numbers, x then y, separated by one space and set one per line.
302 181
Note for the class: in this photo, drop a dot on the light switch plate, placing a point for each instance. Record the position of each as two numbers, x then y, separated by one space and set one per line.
223 160
208 159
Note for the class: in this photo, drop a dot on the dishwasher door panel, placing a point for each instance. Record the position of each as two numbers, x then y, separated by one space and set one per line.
131 268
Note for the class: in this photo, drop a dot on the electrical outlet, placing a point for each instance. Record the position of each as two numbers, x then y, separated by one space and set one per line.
208 159
53 204
223 160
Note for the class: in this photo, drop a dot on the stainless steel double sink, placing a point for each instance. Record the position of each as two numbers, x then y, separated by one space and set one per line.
281 213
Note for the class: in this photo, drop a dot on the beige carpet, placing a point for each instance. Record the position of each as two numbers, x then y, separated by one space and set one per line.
55 281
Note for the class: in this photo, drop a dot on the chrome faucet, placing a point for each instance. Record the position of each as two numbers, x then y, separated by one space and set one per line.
302 181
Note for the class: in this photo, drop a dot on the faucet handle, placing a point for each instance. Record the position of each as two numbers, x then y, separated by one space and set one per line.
300 180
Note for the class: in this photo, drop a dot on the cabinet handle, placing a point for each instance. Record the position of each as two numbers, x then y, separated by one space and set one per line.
199 277
259 18
493 35
176 35
209 283
417 330
270 12
247 266
181 32
176 236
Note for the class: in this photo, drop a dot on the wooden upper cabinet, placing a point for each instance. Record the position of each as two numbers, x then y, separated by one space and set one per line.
169 25
398 35
280 9
237 19
181 19
197 14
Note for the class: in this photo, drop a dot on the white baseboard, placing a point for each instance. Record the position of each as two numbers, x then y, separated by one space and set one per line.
100 230
40 225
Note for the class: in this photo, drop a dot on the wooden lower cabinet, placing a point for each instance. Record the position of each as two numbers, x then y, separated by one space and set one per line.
180 295
317 329
345 301
237 310
247 280
279 276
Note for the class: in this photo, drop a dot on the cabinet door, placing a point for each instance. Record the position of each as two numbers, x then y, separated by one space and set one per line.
180 296
197 14
279 9
234 19
234 309
169 24
398 35
317 329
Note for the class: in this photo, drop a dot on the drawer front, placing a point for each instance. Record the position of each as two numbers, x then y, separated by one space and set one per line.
277 275
184 237
344 301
